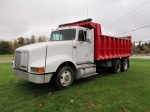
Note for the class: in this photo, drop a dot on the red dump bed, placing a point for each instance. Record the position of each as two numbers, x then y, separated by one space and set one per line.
105 47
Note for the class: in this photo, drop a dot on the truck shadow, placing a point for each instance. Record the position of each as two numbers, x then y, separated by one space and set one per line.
101 73
37 88
41 89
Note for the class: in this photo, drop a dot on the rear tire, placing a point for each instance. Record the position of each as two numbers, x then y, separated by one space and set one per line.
117 67
64 78
124 65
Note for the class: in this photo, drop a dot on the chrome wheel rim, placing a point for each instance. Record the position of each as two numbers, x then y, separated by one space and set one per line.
118 67
65 78
125 66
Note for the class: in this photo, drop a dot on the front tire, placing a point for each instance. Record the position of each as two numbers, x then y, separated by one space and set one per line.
64 78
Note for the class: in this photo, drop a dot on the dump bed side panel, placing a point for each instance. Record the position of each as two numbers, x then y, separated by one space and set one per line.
108 47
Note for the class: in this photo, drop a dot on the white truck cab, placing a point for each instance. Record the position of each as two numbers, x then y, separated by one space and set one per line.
67 56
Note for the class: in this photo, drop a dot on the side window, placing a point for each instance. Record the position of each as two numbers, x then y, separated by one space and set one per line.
85 35
82 35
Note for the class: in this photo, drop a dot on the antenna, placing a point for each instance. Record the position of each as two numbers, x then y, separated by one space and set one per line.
87 16
87 12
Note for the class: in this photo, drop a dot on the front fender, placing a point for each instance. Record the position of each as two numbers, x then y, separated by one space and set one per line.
53 62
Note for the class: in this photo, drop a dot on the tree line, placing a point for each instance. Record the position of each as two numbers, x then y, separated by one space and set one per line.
141 47
8 47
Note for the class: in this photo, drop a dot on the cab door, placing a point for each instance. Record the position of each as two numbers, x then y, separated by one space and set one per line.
82 47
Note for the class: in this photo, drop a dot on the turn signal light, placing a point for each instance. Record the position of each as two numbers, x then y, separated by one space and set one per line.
38 70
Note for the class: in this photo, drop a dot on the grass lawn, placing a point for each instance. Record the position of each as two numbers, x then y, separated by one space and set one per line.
124 92
6 57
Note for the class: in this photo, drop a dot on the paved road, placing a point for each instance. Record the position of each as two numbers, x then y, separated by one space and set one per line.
5 61
141 57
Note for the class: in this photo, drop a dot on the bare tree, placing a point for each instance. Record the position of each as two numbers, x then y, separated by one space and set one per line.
33 39
16 44
42 39
27 41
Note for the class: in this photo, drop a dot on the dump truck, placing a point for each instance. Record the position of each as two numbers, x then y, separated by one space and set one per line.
75 50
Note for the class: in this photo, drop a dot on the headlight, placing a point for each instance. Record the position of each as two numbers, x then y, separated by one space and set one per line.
38 70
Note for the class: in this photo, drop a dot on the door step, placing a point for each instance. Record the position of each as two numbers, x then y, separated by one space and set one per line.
89 75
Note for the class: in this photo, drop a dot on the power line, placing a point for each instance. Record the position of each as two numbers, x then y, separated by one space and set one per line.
133 30
138 17
128 14
144 15
142 24
137 25
133 20
130 17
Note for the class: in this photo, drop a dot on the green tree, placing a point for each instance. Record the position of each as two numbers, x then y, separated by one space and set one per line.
5 47
146 47
21 41
140 46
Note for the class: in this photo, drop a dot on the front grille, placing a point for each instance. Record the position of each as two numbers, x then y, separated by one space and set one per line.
21 60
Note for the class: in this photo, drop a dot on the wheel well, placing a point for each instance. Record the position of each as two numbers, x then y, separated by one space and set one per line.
67 63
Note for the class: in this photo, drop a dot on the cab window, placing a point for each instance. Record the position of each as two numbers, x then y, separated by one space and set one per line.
82 35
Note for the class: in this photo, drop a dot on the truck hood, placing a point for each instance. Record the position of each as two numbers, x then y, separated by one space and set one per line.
32 46
52 46
36 53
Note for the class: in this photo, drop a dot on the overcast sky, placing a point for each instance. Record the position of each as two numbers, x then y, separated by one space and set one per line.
24 18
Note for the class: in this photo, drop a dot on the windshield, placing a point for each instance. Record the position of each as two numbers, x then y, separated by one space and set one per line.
60 35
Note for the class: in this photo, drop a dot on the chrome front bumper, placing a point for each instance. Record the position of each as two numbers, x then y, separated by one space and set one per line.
44 78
